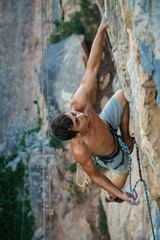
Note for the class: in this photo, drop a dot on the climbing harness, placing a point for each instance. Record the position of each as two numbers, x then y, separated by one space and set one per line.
85 181
126 149
108 159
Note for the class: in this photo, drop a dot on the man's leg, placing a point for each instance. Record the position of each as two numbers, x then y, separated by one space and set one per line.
124 126
120 179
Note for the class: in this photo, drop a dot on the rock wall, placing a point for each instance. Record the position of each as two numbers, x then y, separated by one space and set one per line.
135 38
64 73
22 59
64 76
134 34
21 56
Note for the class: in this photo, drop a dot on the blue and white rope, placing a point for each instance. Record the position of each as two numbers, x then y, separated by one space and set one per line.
126 149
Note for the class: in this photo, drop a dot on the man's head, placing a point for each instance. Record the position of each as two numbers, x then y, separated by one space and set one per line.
67 125
62 127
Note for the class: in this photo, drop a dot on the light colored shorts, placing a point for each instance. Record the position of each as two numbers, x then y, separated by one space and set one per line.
111 114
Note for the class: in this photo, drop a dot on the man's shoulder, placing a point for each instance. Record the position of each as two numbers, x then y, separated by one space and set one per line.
79 106
80 100
80 151
87 108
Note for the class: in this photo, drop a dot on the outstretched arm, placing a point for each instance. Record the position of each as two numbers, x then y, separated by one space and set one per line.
89 78
95 57
102 181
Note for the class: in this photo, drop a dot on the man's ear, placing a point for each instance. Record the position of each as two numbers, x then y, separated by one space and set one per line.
77 135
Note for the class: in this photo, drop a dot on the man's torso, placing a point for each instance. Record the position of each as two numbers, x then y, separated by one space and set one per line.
98 139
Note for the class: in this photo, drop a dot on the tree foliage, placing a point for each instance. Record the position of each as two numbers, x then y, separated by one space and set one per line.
11 189
83 22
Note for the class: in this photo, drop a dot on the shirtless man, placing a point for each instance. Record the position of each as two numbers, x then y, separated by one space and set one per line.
90 134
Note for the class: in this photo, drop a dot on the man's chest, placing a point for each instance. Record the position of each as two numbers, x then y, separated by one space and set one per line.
100 140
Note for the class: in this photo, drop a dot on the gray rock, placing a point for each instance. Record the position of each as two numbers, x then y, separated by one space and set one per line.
39 234
65 71
15 18
116 85
3 147
134 34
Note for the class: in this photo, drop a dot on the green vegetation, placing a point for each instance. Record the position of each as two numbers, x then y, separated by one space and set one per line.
11 189
21 145
72 167
83 22
39 121
102 221
55 142
74 192
54 38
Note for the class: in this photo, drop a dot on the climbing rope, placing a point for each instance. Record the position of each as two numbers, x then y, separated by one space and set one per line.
48 135
25 169
126 149
85 181
44 215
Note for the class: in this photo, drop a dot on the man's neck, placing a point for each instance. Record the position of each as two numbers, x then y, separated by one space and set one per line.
84 132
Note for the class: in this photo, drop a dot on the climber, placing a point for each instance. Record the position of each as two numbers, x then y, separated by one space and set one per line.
91 136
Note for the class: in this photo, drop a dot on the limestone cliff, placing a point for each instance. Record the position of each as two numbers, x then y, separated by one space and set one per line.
23 29
21 59
134 34
26 59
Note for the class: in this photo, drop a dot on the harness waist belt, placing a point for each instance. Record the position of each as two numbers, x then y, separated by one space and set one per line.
109 158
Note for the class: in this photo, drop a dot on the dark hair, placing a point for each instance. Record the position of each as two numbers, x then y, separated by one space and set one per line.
61 126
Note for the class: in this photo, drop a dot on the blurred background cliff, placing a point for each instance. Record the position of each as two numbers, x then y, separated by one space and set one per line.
44 47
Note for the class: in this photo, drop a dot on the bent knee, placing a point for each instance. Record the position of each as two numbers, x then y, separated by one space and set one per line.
119 95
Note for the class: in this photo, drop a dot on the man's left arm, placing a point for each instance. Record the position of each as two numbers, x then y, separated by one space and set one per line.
82 94
94 58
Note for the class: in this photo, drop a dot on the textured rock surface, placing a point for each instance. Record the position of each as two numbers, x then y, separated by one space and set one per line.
21 82
21 25
64 73
69 7
134 36
20 43
49 191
